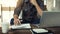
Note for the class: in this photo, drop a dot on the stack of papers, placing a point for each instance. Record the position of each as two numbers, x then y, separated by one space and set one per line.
40 30
21 26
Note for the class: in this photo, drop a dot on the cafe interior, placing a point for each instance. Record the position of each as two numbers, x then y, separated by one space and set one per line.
49 21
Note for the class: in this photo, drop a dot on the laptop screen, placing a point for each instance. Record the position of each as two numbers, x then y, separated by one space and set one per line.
50 19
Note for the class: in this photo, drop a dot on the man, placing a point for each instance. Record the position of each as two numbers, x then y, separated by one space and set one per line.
29 15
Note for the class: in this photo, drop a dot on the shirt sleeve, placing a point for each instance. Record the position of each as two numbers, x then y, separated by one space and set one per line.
17 11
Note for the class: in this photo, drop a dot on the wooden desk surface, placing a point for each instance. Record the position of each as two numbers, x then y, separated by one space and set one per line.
56 30
17 31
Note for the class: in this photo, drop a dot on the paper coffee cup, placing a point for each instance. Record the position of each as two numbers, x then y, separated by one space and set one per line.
5 27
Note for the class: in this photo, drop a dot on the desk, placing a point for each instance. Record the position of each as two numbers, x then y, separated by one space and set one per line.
56 30
23 31
20 32
17 31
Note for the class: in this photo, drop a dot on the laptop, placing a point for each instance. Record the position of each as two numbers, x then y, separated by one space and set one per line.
50 19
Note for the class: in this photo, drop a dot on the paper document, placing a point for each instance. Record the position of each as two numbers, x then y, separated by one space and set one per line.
40 30
20 26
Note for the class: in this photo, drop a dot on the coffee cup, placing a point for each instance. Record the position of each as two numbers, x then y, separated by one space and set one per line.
5 27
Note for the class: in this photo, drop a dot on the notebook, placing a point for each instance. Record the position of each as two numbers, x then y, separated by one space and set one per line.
21 26
40 30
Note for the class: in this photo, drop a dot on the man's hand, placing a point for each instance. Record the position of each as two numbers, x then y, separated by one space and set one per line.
33 2
17 21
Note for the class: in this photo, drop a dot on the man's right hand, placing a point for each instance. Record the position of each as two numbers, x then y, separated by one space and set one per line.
17 21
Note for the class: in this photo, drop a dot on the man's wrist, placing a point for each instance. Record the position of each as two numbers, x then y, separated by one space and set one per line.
15 16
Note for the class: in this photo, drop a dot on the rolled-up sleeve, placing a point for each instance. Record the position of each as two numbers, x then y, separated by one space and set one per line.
17 11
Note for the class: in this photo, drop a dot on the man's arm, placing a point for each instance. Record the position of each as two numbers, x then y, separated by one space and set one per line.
39 10
16 15
17 11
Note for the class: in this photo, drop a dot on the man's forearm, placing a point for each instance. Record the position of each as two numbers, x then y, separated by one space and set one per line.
39 10
16 12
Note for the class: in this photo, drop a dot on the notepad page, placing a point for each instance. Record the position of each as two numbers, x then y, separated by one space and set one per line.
20 26
40 30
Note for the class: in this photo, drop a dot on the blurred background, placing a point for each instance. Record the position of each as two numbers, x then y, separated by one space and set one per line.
7 8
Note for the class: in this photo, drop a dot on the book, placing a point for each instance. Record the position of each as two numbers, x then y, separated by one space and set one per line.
24 26
40 30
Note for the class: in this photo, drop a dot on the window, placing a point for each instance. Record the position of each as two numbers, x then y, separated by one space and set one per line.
0 14
7 9
0 9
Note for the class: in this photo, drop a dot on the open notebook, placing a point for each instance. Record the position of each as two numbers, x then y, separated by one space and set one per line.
40 30
21 26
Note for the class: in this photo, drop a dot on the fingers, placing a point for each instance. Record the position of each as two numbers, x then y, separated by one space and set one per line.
17 21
